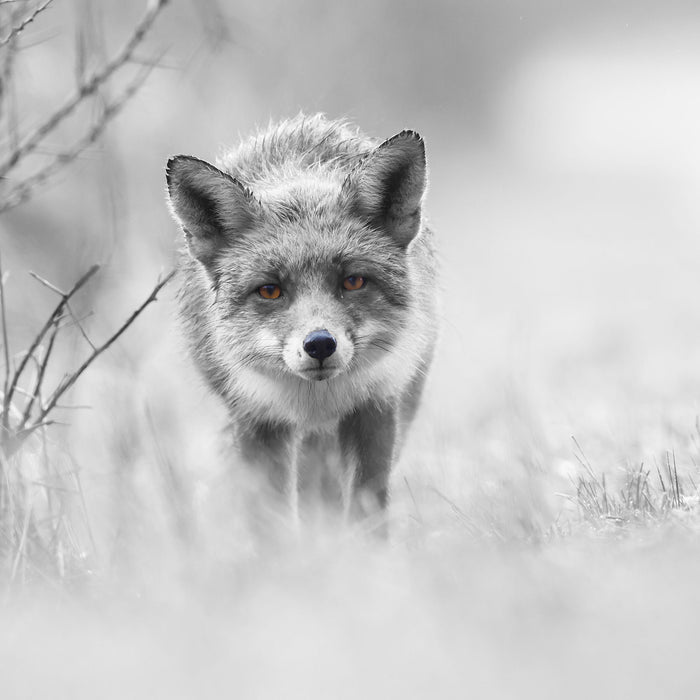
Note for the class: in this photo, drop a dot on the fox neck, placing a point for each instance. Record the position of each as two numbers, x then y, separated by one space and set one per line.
314 405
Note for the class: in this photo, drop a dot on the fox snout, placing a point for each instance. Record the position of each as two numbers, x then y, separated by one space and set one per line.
320 345
318 352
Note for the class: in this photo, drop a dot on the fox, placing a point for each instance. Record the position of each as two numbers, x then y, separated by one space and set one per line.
308 299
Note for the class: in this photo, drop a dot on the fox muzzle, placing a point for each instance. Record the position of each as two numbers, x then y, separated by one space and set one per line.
320 345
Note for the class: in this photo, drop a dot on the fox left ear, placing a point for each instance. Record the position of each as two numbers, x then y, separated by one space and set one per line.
211 206
387 187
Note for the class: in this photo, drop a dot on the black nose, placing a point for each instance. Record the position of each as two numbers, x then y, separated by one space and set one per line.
319 344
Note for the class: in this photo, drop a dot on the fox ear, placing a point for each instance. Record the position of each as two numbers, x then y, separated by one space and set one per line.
211 206
387 187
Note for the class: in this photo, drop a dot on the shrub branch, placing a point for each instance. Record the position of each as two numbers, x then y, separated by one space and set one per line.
37 414
28 19
85 90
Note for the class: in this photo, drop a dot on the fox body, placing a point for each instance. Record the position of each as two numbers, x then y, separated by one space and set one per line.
308 297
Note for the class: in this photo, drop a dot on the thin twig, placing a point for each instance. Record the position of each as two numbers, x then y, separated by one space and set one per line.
21 192
41 372
8 106
85 90
413 498
77 322
70 380
46 283
70 320
6 348
15 31
35 426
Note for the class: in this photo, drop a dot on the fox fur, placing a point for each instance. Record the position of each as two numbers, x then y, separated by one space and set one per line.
301 207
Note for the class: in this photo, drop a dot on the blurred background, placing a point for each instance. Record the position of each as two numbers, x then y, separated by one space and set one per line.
564 164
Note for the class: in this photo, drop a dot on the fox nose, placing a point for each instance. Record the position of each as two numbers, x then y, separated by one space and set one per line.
319 344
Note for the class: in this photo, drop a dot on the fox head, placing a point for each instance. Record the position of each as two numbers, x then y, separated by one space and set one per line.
307 269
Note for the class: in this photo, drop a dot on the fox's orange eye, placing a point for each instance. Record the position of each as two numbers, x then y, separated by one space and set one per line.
270 291
353 282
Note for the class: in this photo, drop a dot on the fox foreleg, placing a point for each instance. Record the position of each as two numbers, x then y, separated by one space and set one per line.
268 451
367 439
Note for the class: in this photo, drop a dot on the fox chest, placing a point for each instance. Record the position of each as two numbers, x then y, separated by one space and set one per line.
311 406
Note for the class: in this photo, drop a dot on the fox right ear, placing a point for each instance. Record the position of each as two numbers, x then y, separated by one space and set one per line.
387 187
210 206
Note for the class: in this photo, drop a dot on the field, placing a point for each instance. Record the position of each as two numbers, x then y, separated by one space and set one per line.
545 514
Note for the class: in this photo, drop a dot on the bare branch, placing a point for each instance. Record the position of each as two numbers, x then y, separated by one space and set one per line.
23 191
13 442
70 380
41 372
86 89
53 318
15 31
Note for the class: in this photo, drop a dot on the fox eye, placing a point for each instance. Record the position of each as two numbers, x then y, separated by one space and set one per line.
270 291
353 282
